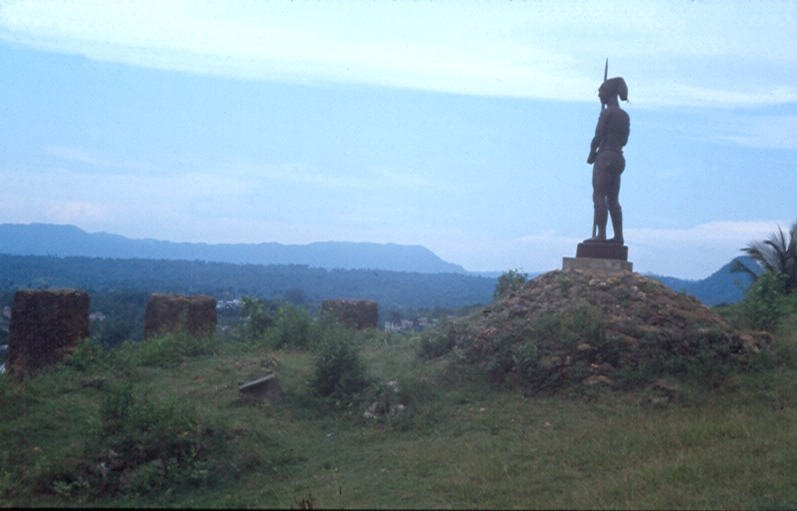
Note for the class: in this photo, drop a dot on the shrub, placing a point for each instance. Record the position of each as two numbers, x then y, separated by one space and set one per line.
148 445
292 328
436 344
168 350
765 303
259 316
509 282
89 354
339 372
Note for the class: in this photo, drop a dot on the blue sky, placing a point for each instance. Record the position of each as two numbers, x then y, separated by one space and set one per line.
460 126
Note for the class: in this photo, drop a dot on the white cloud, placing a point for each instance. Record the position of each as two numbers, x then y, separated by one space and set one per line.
693 54
76 212
91 159
759 131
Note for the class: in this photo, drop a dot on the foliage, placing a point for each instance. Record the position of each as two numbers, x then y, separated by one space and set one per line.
339 372
259 316
89 354
169 350
436 343
776 255
293 328
766 305
509 282
150 445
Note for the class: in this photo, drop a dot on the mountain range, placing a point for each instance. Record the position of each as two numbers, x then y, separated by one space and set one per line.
723 286
68 240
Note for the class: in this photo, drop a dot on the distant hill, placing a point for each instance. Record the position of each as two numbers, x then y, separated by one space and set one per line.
292 262
722 286
400 290
68 240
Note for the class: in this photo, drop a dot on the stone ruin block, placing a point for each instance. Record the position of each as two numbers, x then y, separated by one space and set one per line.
265 389
359 314
195 315
45 326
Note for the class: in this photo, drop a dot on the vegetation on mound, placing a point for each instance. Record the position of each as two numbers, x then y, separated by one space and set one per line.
575 327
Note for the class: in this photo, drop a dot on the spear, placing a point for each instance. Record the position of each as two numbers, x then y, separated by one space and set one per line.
605 76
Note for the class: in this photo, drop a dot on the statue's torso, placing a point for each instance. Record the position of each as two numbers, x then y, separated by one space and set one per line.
613 126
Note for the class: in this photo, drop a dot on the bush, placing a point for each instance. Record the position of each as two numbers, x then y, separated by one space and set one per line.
339 371
259 316
168 350
90 354
436 344
765 303
292 328
509 282
142 446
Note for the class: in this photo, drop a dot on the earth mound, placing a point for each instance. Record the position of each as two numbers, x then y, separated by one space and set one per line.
595 328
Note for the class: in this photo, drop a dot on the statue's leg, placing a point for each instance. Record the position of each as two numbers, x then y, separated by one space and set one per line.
600 214
613 203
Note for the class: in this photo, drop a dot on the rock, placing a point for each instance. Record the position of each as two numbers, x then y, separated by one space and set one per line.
265 389
597 379
166 313
359 314
45 326
388 404
661 392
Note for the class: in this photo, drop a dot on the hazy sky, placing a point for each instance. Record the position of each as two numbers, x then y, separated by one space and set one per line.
460 126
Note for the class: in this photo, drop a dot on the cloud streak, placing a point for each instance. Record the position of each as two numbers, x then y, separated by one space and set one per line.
547 50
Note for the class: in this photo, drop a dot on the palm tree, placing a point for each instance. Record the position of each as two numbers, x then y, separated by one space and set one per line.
775 255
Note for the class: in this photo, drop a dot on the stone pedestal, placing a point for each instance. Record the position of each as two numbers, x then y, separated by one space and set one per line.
602 251
603 256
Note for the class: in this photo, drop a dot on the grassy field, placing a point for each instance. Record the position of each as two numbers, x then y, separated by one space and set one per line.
162 424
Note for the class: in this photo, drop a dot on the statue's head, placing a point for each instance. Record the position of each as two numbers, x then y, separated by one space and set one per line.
612 88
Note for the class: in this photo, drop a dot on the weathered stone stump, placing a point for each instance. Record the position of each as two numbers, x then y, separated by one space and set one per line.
264 389
359 314
166 313
45 326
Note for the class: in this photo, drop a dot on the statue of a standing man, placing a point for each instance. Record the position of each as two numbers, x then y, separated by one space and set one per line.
606 153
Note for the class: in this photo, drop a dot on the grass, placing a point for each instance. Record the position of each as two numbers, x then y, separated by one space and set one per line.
462 443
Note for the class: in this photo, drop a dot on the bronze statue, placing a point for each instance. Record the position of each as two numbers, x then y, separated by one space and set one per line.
606 155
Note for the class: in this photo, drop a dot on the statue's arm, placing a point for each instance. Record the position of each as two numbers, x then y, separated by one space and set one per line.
596 140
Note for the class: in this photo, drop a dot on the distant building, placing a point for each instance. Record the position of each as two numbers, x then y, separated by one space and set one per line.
97 316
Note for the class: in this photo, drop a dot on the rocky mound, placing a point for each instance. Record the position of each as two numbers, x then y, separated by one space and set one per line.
617 329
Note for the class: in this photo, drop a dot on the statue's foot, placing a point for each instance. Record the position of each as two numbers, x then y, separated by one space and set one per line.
595 239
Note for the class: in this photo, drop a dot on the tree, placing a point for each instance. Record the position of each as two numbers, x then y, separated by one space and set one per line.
509 282
775 255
